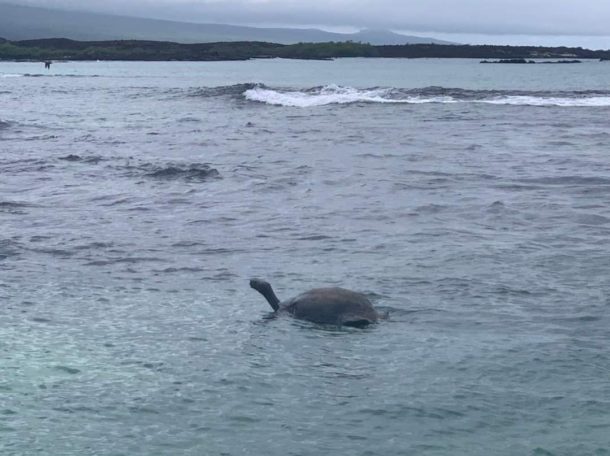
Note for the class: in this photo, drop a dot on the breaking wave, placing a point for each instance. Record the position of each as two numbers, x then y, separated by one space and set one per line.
334 94
320 96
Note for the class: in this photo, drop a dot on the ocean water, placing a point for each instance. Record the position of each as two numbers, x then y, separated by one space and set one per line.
471 202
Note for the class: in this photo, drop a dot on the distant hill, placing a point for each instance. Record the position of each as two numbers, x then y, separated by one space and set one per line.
26 23
65 49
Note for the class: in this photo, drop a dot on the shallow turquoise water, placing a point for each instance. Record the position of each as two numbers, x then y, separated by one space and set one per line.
465 199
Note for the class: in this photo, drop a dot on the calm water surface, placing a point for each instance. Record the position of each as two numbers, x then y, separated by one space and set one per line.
470 201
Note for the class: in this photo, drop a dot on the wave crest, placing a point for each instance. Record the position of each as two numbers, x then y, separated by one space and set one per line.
235 89
320 96
334 94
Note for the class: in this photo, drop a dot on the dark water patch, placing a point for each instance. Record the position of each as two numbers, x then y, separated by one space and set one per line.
141 410
181 269
8 248
568 180
190 173
401 411
539 451
212 221
597 190
560 143
187 244
13 207
496 207
243 420
314 237
113 142
24 165
430 209
120 202
71 157
376 155
126 260
68 370
61 253
597 139
96 245
40 238
230 90
78 409
140 209
453 284
592 220
4 124
590 206
177 201
108 200
506 290
283 183
197 339
223 276
78 158
41 138
40 320
518 187
582 319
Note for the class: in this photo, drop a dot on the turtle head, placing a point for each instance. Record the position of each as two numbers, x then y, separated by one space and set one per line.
265 289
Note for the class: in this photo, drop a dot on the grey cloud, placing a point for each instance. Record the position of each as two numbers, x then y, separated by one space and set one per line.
533 17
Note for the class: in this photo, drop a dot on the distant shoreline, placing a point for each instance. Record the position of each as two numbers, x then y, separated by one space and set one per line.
59 49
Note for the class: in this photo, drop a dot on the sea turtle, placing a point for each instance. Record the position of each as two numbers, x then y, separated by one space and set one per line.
330 306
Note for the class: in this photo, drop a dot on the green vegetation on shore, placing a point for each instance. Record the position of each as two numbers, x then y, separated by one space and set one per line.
65 49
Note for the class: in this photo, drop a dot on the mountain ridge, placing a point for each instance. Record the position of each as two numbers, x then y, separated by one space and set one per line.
19 22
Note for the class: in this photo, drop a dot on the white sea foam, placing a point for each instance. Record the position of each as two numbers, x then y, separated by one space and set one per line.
10 75
549 101
318 97
333 94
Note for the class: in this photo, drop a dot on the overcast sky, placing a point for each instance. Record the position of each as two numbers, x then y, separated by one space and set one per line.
573 22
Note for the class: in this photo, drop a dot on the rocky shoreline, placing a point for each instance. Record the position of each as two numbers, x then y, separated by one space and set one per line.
530 62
